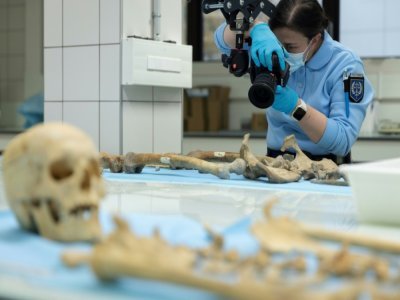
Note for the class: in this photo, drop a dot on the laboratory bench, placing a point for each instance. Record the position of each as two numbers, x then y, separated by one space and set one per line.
179 203
368 147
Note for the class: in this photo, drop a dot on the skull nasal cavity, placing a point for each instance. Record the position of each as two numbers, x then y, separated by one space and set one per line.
85 184
60 170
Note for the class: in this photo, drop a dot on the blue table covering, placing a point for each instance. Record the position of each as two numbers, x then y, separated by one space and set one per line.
32 262
150 174
35 261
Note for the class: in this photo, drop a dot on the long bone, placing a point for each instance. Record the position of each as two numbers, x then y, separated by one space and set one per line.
135 162
352 238
214 156
221 156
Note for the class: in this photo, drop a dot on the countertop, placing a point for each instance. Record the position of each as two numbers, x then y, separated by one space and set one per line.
375 136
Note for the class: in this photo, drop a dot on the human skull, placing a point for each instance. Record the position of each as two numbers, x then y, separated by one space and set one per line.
53 182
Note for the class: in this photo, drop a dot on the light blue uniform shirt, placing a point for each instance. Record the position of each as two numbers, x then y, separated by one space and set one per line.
320 84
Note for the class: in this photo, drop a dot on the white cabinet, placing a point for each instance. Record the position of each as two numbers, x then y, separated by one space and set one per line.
156 63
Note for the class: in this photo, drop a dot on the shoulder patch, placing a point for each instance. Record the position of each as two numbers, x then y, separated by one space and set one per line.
356 87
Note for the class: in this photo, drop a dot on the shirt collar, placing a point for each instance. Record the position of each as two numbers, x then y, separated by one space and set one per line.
323 55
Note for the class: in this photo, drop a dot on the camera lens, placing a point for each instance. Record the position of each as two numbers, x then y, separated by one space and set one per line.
262 91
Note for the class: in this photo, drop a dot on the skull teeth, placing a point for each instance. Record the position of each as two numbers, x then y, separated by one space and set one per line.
83 211
54 210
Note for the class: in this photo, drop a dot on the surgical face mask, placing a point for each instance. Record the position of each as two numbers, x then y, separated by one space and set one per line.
297 60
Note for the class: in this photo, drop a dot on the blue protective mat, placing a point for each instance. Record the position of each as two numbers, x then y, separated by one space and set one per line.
36 261
150 174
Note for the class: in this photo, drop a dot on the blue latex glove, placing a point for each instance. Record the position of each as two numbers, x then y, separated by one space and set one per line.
285 99
263 44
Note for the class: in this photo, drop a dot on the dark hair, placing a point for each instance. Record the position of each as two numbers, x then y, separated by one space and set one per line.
304 16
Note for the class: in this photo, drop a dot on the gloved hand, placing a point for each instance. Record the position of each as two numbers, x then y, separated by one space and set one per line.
285 99
263 44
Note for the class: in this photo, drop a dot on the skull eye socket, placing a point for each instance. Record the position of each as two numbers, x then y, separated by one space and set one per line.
92 169
59 170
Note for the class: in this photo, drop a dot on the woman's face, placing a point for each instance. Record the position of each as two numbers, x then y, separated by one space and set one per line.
296 42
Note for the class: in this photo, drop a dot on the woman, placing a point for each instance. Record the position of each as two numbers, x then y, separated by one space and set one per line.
327 95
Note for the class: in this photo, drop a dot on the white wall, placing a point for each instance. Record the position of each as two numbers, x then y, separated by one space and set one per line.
385 77
82 63
371 28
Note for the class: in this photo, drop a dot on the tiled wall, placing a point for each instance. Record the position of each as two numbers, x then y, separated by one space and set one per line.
12 62
82 64
81 67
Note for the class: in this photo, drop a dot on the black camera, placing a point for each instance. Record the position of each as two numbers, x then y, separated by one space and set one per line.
264 81
240 14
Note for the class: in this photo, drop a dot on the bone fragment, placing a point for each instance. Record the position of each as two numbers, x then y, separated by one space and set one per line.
352 238
325 169
299 264
281 234
73 259
301 160
256 169
113 162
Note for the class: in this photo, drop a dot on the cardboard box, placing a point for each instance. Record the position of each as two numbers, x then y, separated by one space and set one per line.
213 109
259 122
195 109
206 108
196 120
217 117
224 98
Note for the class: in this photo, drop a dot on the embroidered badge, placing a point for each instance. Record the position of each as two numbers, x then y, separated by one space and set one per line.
356 88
